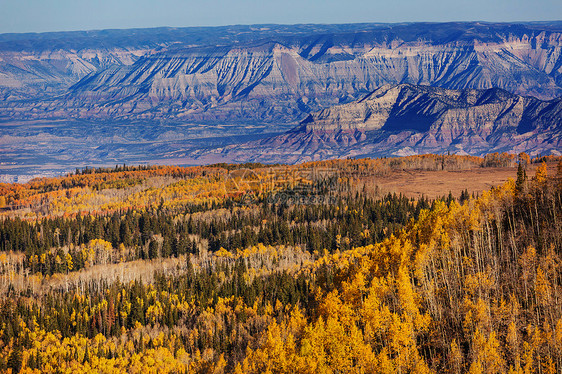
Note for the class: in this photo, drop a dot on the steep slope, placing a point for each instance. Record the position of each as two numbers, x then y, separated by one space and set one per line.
271 75
170 95
280 80
39 66
35 74
409 119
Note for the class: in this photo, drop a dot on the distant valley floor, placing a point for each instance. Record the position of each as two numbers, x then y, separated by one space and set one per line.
30 149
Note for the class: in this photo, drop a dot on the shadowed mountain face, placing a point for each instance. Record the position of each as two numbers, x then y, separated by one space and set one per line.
268 74
407 119
173 95
45 65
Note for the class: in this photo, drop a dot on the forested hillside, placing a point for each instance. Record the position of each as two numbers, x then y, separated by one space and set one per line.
281 269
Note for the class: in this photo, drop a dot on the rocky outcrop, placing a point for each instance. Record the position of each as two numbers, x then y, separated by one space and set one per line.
198 95
38 75
409 119
41 66
279 74
283 80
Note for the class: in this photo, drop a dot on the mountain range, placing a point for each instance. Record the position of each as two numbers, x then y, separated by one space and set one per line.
265 73
149 95
409 119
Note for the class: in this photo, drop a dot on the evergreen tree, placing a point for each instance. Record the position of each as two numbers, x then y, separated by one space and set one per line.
153 249
15 359
521 178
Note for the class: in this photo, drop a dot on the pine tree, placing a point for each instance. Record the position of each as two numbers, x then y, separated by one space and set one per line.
153 249
15 359
521 178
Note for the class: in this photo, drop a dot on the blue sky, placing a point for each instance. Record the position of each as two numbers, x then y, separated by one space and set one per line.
62 15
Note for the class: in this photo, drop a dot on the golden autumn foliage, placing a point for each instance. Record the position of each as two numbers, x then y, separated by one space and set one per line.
399 299
471 287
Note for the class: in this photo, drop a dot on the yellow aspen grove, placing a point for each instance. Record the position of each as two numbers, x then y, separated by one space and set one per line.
541 174
202 270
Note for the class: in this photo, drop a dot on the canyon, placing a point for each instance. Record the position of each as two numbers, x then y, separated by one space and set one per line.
183 94
406 119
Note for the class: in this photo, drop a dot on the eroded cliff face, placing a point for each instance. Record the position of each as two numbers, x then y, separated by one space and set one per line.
425 108
197 95
277 82
277 76
38 75
41 66
409 119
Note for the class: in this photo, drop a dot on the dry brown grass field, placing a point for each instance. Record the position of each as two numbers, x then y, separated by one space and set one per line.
432 184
